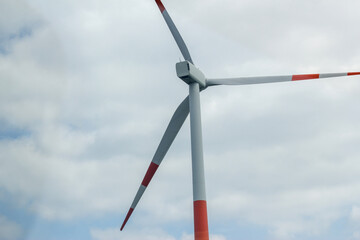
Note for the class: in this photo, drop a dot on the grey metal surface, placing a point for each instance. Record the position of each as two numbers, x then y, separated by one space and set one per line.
196 143
179 40
172 130
247 80
329 75
190 74
182 69
138 195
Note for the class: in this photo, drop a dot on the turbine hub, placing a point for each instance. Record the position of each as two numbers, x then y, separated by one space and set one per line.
187 72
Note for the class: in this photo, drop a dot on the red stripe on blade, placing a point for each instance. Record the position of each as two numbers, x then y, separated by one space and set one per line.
305 77
160 5
200 220
127 218
149 174
353 73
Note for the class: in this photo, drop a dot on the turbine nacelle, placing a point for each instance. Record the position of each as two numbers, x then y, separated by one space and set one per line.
187 72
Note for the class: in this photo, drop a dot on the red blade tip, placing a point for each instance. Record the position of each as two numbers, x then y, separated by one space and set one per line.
160 5
127 218
353 73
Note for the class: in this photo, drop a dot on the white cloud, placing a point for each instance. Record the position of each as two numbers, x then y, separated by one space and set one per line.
9 230
16 16
113 234
356 235
355 213
93 88
57 187
110 234
186 236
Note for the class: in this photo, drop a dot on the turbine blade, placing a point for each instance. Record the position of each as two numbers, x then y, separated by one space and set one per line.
179 40
273 79
172 130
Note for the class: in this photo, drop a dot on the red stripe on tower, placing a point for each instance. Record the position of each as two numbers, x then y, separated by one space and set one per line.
200 220
304 77
127 218
160 5
149 174
353 73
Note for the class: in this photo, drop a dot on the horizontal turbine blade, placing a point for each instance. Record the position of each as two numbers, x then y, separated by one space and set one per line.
273 79
172 130
179 40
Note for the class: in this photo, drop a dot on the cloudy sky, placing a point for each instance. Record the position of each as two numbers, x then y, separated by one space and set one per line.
87 89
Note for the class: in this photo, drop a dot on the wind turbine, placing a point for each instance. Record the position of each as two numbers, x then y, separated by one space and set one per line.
197 82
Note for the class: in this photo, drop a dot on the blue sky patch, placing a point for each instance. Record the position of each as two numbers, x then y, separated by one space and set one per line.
7 39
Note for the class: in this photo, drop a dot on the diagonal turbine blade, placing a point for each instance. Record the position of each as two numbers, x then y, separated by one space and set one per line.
273 79
172 130
180 42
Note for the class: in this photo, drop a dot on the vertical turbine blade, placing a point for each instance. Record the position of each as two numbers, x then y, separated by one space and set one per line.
172 130
180 42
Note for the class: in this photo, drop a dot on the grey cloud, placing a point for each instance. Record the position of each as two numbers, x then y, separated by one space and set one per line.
9 230
95 87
